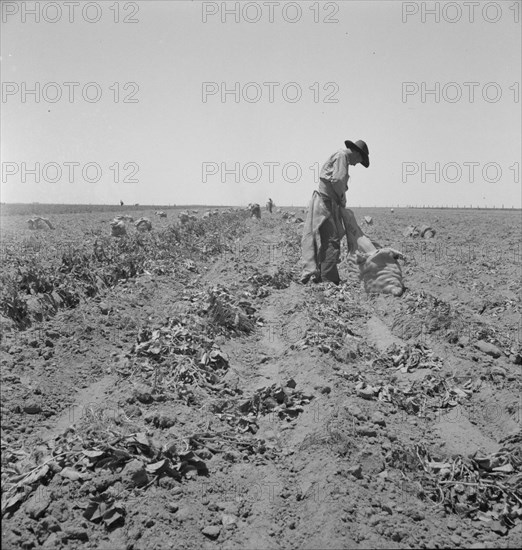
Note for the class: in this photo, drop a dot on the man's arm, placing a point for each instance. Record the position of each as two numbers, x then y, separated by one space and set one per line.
339 176
339 169
356 239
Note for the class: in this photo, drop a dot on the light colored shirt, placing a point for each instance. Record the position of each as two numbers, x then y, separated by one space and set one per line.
334 174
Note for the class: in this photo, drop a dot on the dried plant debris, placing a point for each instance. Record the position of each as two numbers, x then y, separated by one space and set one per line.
262 281
137 458
423 314
286 402
244 445
486 488
408 358
181 355
232 315
338 320
417 397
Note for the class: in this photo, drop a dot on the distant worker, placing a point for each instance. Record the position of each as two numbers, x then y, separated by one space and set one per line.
121 202
269 205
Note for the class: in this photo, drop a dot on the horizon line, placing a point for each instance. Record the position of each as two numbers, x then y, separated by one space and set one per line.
462 207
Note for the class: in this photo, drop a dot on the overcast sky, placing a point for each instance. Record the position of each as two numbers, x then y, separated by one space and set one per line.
154 117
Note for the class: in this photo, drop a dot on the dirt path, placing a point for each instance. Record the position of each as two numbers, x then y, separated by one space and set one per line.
88 401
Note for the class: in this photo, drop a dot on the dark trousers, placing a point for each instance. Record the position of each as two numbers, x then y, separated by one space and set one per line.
330 248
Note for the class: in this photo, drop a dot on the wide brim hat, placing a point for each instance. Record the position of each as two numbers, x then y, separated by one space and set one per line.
361 147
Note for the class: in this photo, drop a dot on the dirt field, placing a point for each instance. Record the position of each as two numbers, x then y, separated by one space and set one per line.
180 389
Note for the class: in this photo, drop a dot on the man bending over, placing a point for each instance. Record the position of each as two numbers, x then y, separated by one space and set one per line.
328 220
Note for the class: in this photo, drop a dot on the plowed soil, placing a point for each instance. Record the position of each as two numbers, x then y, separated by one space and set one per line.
221 404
